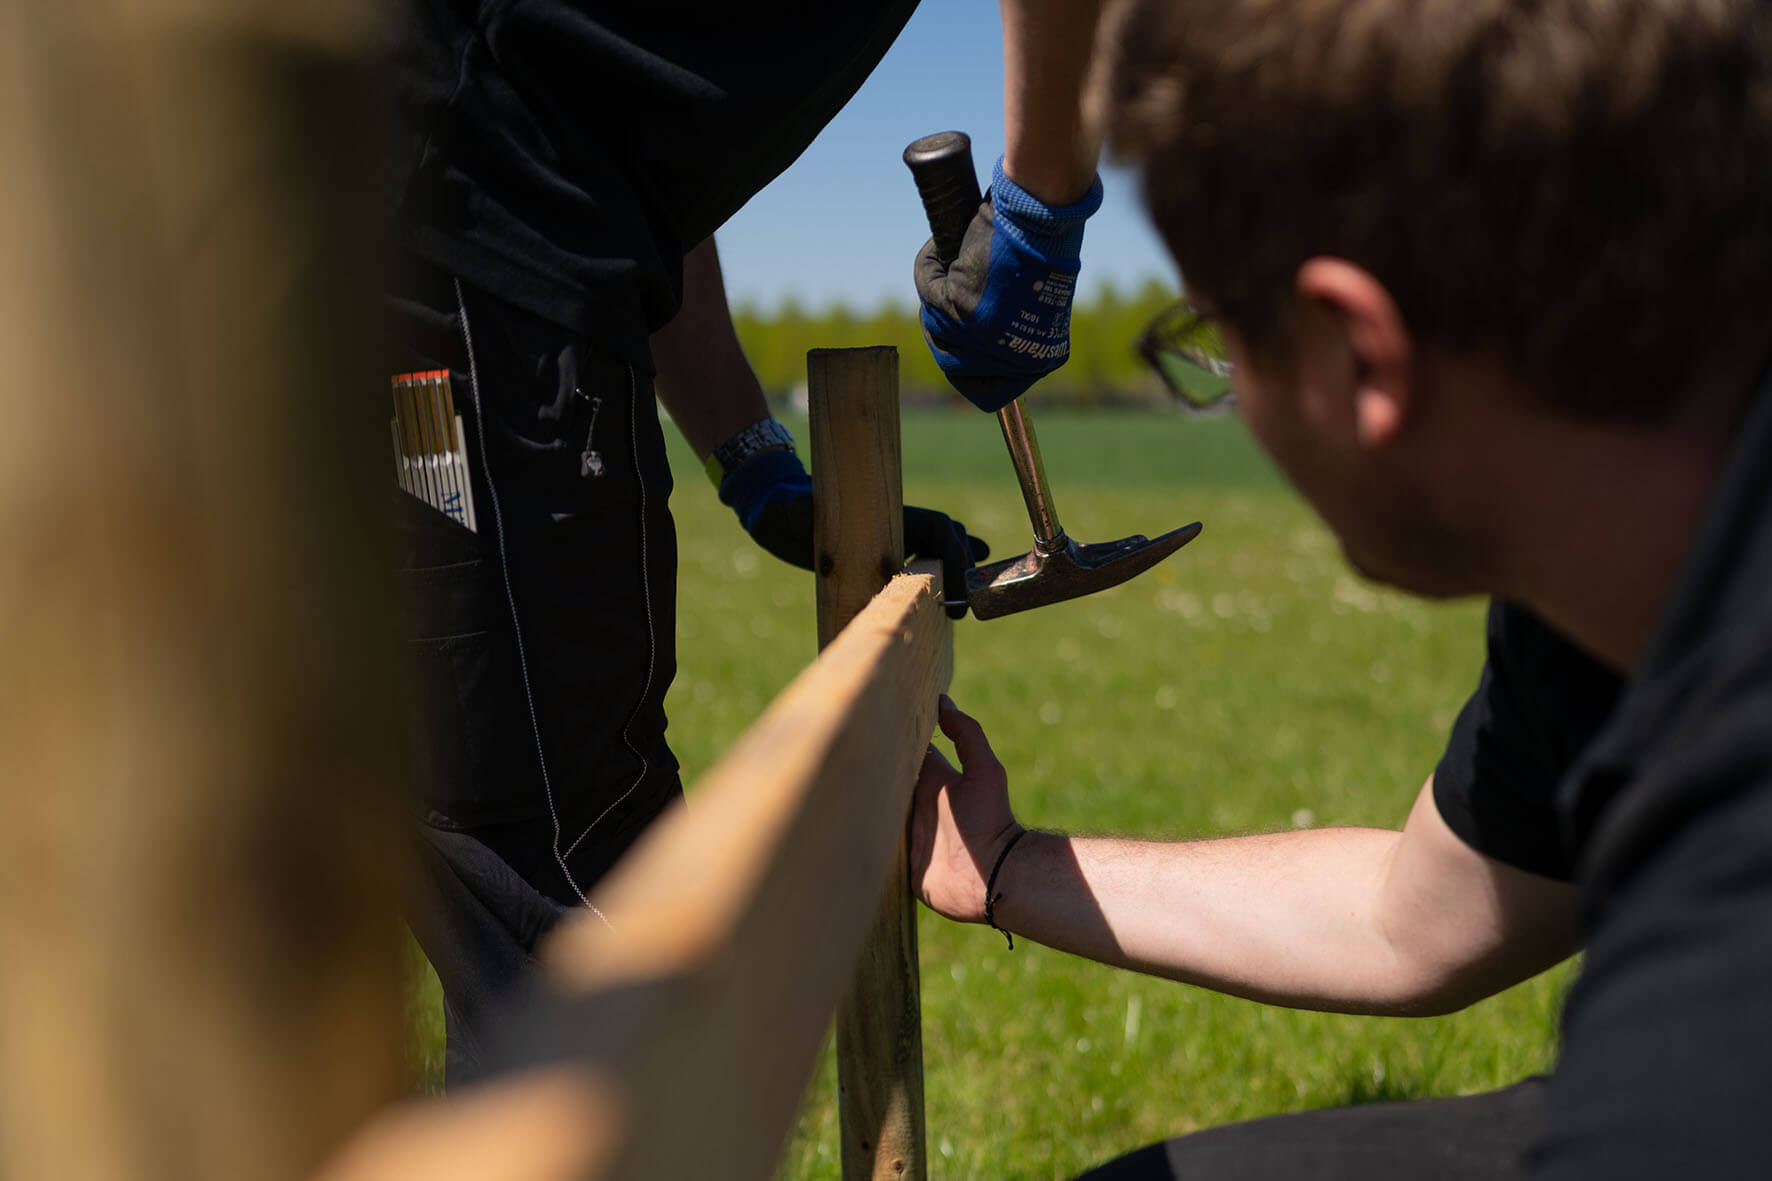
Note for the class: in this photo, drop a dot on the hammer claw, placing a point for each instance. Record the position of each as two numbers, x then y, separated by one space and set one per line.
1035 579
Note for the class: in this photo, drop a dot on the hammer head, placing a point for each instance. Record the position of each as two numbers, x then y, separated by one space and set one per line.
1069 571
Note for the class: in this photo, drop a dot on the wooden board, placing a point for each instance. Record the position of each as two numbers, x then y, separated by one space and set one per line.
693 1022
745 918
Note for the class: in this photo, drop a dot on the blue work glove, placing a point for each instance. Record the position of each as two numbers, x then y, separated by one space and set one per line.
772 495
998 317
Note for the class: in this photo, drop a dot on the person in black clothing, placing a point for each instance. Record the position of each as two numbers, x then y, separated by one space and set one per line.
560 169
1494 279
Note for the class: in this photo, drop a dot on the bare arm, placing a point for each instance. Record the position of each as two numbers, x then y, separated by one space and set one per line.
704 379
1052 147
1342 919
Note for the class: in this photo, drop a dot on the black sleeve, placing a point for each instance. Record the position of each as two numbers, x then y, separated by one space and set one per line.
1666 1067
1538 704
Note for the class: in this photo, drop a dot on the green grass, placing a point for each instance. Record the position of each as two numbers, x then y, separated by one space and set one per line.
1250 683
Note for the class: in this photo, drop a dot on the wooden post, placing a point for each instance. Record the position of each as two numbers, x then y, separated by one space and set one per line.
200 801
858 547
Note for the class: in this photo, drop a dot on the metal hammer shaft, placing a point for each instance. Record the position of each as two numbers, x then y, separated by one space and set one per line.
1024 453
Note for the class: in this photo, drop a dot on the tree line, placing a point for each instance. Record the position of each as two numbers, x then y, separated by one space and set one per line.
1104 368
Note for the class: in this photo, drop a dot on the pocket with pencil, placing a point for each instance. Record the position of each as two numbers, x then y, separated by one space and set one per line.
430 455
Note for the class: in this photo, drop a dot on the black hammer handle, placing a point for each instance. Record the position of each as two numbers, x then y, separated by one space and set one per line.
941 164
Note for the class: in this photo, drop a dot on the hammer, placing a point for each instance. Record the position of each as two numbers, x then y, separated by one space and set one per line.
1057 568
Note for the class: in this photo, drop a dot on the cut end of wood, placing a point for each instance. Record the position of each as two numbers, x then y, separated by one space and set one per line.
826 354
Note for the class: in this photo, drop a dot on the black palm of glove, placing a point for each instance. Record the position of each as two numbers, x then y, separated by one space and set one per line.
772 495
932 534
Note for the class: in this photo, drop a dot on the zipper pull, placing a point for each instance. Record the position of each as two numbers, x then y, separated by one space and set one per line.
590 460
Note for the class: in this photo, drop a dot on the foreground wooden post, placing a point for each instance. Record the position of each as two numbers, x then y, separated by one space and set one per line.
200 816
859 546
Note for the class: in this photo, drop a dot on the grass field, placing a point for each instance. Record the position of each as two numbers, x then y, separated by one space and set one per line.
1251 683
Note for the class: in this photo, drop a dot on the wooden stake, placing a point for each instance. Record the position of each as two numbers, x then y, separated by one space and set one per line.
858 547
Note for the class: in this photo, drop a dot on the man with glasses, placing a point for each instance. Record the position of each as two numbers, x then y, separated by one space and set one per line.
1494 278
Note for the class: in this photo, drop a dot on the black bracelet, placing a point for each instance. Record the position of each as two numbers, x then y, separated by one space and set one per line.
991 899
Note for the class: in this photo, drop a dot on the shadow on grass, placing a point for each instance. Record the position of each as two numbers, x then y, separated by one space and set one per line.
1379 1085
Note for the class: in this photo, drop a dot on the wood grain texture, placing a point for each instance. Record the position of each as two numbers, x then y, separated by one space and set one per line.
201 814
859 530
737 920
858 491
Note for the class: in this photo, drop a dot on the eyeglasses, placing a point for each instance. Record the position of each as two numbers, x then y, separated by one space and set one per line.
1183 345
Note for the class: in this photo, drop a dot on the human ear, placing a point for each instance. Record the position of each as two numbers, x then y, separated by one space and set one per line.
1365 331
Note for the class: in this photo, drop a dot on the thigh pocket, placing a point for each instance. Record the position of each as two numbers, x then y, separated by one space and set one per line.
471 738
472 744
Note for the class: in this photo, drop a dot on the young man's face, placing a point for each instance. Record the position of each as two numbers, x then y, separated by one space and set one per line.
1386 505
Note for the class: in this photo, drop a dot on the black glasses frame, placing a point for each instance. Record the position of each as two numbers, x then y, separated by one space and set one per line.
1183 346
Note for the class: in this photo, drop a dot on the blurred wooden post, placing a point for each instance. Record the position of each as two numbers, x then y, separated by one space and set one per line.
859 546
200 817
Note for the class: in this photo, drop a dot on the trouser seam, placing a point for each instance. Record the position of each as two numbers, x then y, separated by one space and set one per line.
511 599
651 632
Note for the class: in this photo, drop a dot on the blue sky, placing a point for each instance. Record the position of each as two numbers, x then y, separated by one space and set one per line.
844 223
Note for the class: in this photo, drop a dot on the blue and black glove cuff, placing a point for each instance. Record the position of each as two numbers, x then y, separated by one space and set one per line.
1053 232
766 480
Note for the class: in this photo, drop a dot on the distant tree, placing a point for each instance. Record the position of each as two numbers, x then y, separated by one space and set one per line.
896 324
838 325
1103 365
1090 367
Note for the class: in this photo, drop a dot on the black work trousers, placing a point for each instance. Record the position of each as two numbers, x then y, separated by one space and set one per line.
1469 1138
540 647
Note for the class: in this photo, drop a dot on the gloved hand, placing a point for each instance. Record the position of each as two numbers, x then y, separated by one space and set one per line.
772 495
998 317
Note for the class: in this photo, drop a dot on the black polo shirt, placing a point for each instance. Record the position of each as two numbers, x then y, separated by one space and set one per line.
1540 702
1659 806
564 156
1667 1058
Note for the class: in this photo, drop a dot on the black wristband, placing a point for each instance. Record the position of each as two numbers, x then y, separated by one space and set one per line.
991 899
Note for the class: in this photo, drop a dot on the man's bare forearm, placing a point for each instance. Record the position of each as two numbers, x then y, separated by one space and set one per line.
1354 920
1334 919
1286 919
704 379
1052 147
